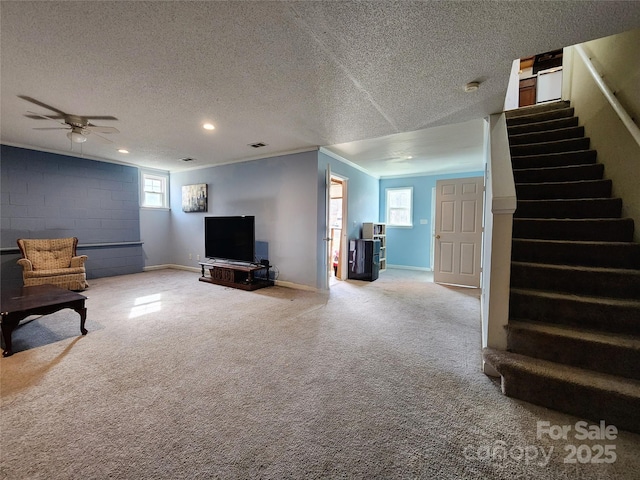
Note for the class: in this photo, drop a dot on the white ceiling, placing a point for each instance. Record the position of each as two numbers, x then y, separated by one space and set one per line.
367 80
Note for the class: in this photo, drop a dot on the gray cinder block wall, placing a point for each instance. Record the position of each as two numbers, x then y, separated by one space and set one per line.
46 195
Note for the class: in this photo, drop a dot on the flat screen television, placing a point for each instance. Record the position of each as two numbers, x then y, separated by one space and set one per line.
230 238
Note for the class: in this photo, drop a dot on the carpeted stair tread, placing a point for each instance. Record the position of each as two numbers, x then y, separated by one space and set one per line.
559 190
589 378
598 229
563 173
546 135
543 126
585 311
533 117
615 354
572 279
582 298
585 393
577 157
557 146
569 208
538 108
572 252
608 338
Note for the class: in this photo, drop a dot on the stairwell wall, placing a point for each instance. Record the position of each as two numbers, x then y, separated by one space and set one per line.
616 59
500 203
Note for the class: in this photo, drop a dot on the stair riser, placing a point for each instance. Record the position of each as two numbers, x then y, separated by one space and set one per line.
578 400
548 136
573 190
550 147
566 174
540 117
600 357
600 284
564 190
554 159
602 208
543 126
588 255
575 312
612 230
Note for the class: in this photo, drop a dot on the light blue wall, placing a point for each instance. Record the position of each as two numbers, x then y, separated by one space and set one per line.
411 246
155 229
279 191
362 203
46 195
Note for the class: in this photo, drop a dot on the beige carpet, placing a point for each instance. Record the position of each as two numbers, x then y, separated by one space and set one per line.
183 379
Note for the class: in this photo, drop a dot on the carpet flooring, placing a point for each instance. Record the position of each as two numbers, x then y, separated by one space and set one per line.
183 379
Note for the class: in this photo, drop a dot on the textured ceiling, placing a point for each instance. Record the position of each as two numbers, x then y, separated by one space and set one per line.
293 75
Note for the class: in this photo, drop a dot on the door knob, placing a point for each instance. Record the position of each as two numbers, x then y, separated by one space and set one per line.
438 236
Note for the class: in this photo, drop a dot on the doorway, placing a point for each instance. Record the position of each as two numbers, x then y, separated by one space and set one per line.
337 228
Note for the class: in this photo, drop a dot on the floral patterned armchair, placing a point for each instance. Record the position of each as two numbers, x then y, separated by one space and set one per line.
52 261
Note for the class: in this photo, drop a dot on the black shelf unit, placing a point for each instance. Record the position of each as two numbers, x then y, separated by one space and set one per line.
364 259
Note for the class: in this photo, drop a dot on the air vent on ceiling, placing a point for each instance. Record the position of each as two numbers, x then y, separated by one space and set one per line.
187 159
258 144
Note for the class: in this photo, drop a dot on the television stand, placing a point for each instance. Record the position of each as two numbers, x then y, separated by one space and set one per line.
234 275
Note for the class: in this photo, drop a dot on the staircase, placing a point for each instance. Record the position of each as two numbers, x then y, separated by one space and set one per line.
574 311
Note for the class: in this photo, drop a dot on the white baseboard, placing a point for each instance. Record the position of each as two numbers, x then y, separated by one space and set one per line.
297 286
489 370
407 267
173 266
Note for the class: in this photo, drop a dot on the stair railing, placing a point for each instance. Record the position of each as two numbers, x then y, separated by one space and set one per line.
609 95
500 204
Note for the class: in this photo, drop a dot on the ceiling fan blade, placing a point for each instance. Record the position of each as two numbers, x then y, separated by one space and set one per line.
39 116
53 128
43 105
99 117
101 129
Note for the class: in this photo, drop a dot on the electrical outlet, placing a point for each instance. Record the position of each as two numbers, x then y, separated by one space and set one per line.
190 256
197 257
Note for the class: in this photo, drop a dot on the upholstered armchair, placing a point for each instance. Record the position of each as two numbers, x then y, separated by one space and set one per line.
52 261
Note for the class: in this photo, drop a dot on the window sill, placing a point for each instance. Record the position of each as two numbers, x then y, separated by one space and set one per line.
167 209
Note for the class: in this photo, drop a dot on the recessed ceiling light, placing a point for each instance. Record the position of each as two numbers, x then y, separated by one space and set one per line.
208 126
123 150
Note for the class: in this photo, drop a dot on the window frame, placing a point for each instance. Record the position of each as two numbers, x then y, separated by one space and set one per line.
388 208
163 178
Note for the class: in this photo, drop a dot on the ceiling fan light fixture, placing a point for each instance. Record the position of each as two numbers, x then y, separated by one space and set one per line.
76 137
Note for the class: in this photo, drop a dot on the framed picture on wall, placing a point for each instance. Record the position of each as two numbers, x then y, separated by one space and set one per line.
194 198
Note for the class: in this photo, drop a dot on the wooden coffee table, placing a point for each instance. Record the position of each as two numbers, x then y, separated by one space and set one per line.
17 304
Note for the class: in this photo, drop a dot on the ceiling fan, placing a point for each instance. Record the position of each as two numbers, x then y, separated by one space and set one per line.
79 126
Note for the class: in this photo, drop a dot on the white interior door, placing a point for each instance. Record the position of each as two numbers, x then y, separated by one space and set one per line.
458 231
